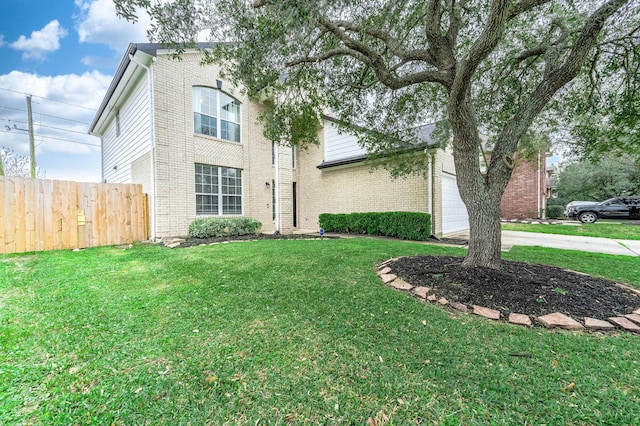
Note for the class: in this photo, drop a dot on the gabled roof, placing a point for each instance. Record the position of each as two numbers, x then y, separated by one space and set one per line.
150 49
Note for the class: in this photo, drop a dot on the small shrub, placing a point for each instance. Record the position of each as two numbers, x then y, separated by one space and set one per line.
403 225
334 222
208 227
556 202
555 212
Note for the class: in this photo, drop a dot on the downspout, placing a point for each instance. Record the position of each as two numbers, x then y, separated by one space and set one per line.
152 145
276 184
430 171
102 178
538 195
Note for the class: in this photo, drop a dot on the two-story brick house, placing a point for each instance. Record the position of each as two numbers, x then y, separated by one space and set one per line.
194 142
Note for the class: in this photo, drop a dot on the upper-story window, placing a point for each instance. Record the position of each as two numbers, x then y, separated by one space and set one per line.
216 114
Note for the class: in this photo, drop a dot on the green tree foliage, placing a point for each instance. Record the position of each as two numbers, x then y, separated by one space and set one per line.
494 71
598 181
606 119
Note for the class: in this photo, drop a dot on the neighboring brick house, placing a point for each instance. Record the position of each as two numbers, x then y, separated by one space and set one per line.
525 195
194 142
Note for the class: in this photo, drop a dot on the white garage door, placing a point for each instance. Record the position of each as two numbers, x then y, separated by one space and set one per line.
454 212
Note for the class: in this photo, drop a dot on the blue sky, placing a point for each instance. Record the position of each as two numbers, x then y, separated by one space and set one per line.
64 54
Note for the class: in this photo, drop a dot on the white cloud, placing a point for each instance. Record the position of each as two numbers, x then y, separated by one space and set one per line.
98 23
41 42
101 61
63 106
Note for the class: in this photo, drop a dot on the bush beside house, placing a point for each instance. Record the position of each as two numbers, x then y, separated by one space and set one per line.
403 225
207 227
555 212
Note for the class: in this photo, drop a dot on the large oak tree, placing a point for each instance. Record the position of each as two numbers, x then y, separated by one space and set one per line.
493 71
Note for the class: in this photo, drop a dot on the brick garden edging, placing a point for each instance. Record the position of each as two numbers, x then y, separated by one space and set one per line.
629 322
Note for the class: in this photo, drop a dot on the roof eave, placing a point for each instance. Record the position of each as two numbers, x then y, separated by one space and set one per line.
124 64
151 49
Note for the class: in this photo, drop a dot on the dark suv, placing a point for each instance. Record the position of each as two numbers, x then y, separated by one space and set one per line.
613 208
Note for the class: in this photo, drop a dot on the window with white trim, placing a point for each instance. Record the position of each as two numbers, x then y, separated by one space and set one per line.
218 190
216 114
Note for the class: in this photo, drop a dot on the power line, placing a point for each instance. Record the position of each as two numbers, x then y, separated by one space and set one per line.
47 99
64 130
46 115
39 124
67 140
44 138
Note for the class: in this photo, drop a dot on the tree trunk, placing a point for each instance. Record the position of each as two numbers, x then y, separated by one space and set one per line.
481 195
480 192
484 234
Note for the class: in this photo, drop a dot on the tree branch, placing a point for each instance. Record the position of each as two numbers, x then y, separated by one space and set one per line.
393 44
556 78
587 40
440 47
524 6
390 81
370 57
330 54
481 48
455 20
534 51
488 40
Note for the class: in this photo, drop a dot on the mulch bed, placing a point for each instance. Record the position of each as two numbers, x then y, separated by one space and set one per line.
189 242
518 287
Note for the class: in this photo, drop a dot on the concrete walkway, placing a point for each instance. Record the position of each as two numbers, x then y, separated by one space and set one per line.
570 242
565 242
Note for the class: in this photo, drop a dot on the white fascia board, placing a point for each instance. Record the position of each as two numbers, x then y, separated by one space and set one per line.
122 91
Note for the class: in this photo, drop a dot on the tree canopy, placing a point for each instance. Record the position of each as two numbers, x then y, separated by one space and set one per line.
597 181
495 72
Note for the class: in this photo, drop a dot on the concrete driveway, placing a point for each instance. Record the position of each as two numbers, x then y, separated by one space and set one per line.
569 242
564 242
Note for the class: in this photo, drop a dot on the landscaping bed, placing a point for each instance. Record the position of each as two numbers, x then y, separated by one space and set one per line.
518 287
191 241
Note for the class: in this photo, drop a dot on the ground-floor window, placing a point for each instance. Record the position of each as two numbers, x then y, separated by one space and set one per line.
218 190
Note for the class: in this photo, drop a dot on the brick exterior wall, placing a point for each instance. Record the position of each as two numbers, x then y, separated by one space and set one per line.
178 148
354 188
346 189
524 197
358 188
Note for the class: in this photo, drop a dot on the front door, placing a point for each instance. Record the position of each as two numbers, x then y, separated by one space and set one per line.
294 197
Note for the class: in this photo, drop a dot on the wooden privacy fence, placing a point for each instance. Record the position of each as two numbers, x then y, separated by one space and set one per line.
39 214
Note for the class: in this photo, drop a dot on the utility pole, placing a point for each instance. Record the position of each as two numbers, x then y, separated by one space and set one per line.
32 144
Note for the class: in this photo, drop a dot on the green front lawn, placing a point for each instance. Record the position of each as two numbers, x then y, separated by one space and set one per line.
602 228
288 332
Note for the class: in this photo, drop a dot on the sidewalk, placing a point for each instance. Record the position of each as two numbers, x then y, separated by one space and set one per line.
570 242
566 242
